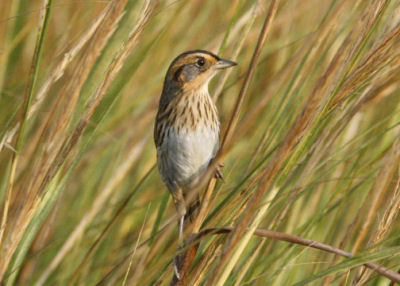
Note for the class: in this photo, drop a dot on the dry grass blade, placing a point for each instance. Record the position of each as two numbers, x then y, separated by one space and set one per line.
96 207
32 200
44 16
372 63
249 19
385 225
7 44
58 72
248 76
331 82
112 71
280 155
71 94
375 197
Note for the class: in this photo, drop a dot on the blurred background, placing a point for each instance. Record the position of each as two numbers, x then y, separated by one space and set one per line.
317 140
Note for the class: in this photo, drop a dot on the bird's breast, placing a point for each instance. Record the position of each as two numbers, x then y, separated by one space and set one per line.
188 139
185 154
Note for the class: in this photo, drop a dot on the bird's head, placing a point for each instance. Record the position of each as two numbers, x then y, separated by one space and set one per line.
193 70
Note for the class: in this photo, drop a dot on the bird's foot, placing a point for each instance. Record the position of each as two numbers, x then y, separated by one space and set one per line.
218 172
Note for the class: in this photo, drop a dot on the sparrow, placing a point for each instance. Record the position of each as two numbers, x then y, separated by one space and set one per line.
187 127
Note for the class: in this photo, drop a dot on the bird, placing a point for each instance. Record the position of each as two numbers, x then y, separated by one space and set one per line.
187 128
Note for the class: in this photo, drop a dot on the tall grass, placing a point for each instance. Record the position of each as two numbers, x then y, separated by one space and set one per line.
310 121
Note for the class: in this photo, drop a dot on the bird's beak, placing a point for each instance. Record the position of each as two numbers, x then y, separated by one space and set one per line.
223 64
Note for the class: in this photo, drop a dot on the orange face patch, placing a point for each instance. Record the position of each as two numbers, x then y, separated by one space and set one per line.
190 58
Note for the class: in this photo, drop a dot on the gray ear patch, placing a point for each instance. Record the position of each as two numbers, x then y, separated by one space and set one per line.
190 72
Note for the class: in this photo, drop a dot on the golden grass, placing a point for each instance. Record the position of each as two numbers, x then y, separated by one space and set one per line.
311 144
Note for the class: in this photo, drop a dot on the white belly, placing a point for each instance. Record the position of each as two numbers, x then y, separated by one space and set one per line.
184 156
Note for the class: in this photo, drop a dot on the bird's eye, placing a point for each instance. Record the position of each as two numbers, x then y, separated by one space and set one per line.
200 62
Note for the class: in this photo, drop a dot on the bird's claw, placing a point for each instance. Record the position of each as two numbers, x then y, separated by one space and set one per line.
218 172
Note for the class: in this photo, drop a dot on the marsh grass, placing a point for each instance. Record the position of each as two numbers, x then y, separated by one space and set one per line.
310 118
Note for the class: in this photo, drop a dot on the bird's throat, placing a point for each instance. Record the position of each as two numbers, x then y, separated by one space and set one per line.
195 110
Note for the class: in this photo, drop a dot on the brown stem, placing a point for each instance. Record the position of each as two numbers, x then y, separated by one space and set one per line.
266 233
388 273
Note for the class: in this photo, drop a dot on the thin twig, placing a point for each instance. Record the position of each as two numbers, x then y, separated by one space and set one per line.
388 273
276 235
